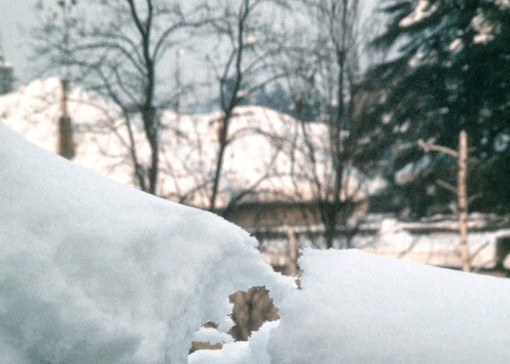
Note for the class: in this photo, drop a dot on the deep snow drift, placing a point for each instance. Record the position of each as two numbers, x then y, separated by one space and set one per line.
92 271
355 307
360 308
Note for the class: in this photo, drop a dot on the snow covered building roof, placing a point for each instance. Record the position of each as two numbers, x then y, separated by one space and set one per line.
268 157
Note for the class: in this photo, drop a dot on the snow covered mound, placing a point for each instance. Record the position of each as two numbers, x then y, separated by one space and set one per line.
360 308
92 271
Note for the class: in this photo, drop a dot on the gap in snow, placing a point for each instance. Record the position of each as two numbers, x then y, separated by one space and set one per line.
251 309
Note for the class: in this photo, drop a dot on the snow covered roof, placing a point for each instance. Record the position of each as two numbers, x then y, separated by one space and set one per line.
267 159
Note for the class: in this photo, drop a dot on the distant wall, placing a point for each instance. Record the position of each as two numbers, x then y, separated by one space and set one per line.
268 215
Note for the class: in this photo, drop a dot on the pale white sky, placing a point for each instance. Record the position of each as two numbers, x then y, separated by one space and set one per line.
16 18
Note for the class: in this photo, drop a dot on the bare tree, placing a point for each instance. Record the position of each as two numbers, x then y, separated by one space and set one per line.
117 49
250 45
323 69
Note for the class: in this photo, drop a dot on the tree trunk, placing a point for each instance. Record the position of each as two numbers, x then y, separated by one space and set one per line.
222 146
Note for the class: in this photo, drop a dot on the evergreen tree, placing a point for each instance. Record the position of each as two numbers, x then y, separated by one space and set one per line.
450 71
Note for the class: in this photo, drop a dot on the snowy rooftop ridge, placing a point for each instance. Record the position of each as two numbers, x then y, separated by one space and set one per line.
261 158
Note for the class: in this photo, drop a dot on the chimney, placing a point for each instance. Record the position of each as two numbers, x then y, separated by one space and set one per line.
65 130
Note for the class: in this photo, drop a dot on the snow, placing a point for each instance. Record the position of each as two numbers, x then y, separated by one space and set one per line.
211 335
251 352
251 40
412 170
503 4
456 45
439 248
433 241
484 29
33 111
422 11
95 271
359 308
356 307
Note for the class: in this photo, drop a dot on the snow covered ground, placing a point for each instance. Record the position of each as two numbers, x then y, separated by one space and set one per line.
360 308
93 271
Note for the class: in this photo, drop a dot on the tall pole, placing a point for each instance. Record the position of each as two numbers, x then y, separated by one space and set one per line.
462 194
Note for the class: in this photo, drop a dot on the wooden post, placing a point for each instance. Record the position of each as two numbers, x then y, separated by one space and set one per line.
463 199
461 189
293 269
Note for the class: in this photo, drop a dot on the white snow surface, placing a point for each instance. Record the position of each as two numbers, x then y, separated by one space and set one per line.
360 308
456 45
92 271
212 335
252 352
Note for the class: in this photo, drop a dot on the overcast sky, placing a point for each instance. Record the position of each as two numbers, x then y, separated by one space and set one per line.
16 18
